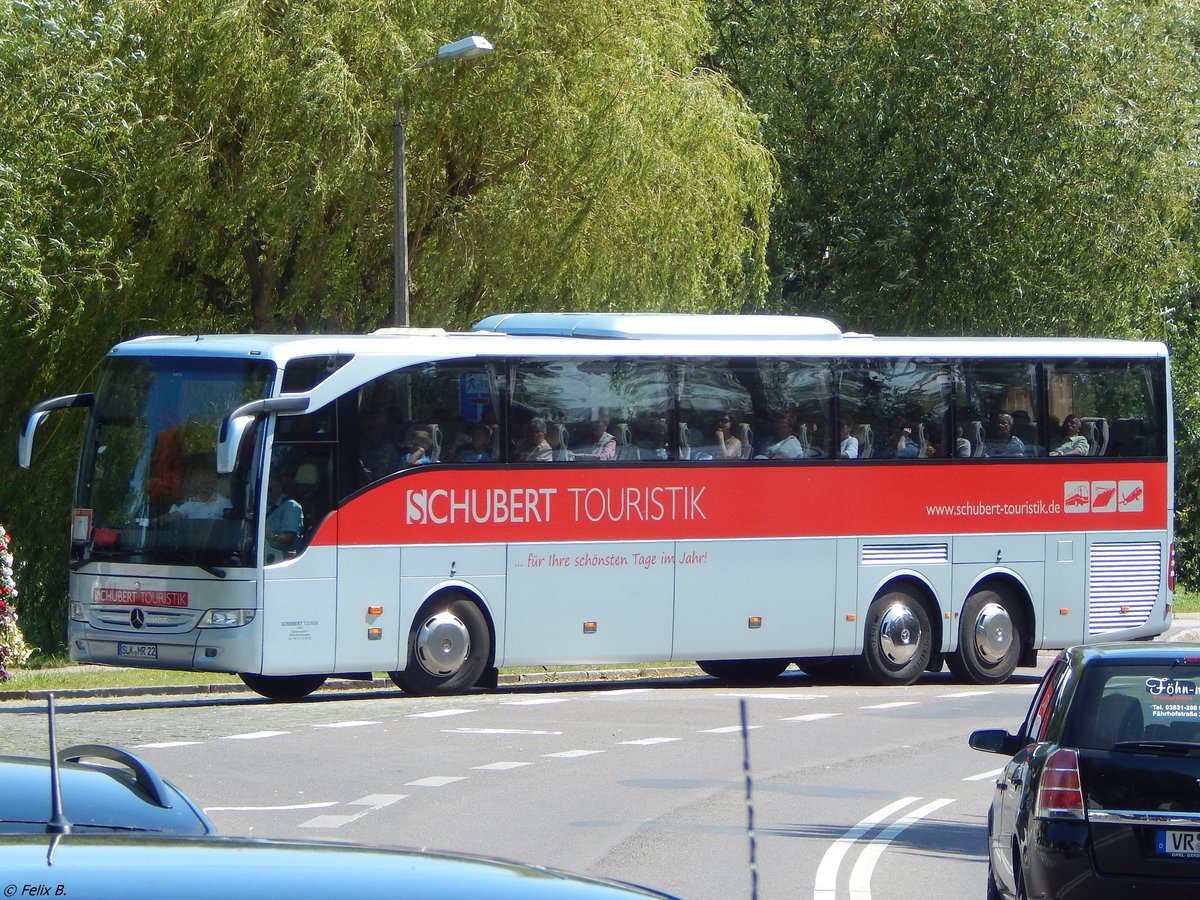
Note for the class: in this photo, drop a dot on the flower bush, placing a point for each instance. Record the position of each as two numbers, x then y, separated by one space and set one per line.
14 651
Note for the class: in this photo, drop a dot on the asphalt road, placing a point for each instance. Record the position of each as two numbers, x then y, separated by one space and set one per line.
858 792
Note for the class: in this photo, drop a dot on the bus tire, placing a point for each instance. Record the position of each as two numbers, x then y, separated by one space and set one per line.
449 648
744 671
897 640
282 687
989 638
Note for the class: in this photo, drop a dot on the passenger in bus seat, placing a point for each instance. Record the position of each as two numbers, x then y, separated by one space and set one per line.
418 448
728 446
900 442
378 455
1073 442
599 444
1001 442
534 447
784 443
847 442
284 521
478 447
962 447
658 444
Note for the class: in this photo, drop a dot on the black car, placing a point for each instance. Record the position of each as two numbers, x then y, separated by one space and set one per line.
1101 798
127 867
102 789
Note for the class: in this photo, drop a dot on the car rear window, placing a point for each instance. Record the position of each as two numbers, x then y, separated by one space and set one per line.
1119 703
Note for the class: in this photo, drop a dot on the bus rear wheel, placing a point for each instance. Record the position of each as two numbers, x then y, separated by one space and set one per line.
897 640
744 671
989 639
282 687
448 648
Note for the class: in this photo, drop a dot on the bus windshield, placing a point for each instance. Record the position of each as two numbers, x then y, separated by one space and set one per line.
148 484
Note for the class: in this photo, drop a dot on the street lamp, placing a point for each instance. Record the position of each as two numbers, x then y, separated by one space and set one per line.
467 48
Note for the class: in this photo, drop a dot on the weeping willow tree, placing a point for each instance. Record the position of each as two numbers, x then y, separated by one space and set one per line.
226 165
586 163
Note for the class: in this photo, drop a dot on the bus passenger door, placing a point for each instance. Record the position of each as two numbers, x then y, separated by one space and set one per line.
299 614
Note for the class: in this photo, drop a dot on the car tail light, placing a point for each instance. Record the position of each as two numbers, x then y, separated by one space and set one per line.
1060 795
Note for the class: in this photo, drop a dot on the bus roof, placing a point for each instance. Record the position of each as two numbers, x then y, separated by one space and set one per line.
638 334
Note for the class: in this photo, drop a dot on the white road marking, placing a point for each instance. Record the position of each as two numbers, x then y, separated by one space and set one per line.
254 735
435 781
537 701
571 754
439 713
777 696
323 805
826 884
495 731
344 724
166 744
502 766
728 729
984 776
372 803
620 692
895 704
864 866
965 694
810 717
646 742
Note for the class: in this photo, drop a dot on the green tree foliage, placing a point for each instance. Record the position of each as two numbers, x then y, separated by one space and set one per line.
586 161
66 112
966 166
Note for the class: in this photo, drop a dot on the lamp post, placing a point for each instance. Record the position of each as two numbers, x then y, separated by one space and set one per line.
467 48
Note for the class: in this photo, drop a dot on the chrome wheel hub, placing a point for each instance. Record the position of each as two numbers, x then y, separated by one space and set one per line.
442 644
899 634
993 633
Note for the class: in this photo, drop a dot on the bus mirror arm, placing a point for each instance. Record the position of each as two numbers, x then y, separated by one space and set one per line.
235 425
35 417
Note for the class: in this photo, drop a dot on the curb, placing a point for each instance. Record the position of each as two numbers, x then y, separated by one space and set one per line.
582 675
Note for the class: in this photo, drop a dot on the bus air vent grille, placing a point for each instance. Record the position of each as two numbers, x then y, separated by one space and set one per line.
1123 585
904 554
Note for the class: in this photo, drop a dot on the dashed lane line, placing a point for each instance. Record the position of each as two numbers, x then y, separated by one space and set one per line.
572 754
495 731
895 704
372 802
254 735
440 713
502 766
984 776
727 729
810 717
344 724
647 742
435 781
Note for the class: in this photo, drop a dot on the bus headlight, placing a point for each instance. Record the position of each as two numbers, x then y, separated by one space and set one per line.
225 618
77 613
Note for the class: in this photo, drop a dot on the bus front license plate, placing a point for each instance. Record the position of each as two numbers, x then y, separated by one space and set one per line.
137 651
1180 844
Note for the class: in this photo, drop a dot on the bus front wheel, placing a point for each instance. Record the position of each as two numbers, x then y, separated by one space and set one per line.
989 640
282 687
897 640
448 648
744 671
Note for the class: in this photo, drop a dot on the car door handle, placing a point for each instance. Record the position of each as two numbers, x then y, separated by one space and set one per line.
1016 780
1001 786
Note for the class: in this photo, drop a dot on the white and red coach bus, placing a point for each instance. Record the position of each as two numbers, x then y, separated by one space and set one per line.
745 491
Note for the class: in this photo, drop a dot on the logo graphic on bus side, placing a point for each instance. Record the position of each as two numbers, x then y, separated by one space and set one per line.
1103 496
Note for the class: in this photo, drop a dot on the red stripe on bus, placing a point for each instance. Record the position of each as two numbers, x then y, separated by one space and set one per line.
437 505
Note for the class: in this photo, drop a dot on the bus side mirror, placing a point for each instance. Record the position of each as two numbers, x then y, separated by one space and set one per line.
235 425
35 418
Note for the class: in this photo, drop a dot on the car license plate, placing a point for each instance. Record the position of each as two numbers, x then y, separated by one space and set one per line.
1181 844
137 651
